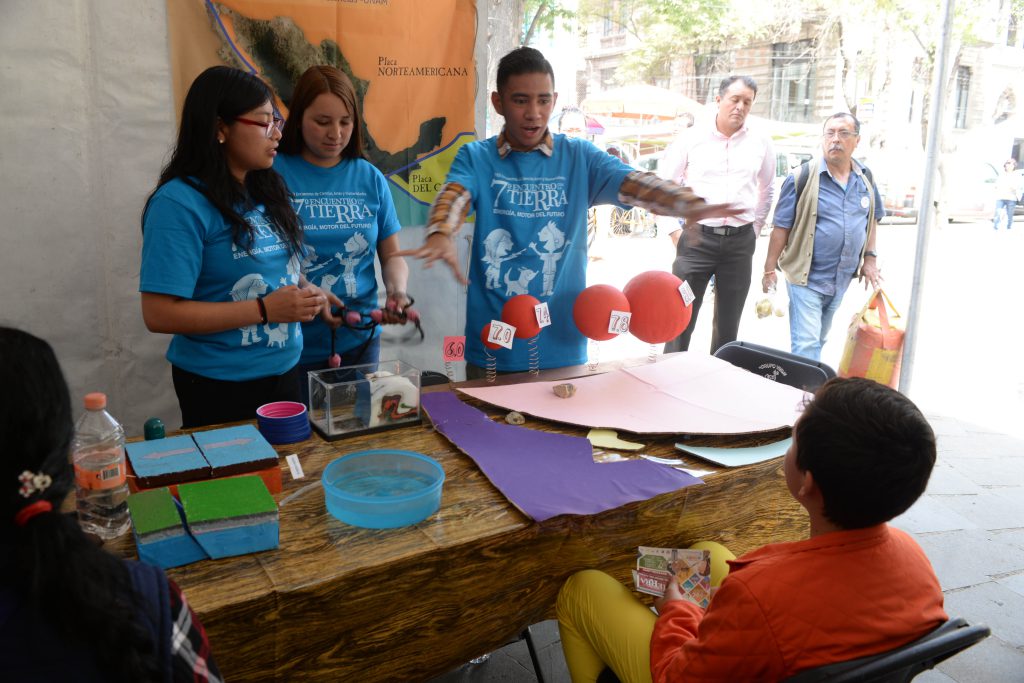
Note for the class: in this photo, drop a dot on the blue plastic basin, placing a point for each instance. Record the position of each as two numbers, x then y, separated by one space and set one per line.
382 489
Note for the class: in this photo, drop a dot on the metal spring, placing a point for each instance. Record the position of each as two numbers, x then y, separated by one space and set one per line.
492 366
448 370
652 354
533 355
593 354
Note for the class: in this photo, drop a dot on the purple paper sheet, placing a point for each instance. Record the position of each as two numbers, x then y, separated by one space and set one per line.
546 474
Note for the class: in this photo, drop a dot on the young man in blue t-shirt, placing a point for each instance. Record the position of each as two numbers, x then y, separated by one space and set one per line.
531 190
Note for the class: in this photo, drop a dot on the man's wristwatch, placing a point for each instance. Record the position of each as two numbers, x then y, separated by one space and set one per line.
871 253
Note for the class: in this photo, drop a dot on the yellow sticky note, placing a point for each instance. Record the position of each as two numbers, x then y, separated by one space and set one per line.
607 438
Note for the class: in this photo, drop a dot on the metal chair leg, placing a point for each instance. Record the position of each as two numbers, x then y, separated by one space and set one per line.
528 637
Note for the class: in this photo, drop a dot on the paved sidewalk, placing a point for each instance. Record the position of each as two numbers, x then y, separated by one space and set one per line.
970 522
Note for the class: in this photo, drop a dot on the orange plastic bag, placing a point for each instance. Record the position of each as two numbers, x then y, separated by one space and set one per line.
874 343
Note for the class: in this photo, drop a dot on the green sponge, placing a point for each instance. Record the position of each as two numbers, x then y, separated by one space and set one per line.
231 516
217 499
153 511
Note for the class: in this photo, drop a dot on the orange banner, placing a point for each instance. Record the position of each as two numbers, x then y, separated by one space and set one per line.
411 62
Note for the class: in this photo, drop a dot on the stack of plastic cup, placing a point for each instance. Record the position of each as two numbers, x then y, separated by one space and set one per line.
283 422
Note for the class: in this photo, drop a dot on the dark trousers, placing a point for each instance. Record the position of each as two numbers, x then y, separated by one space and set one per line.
700 255
205 401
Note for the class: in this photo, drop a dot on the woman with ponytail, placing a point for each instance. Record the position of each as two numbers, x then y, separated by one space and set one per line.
70 611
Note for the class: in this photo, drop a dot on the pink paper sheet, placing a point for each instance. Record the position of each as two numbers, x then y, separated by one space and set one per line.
682 394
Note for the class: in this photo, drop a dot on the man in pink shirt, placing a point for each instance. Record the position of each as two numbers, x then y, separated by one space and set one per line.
723 161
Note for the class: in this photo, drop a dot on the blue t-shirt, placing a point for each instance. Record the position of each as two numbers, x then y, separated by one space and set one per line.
840 231
345 211
187 252
531 238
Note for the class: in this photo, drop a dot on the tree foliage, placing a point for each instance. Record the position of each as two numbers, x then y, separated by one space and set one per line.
669 30
540 16
870 38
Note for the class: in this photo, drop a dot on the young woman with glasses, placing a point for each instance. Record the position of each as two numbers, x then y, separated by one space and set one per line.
221 256
347 214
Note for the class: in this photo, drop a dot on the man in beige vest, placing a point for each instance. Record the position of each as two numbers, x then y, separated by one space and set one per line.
824 234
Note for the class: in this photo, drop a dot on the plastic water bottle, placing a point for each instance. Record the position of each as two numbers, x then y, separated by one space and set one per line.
101 487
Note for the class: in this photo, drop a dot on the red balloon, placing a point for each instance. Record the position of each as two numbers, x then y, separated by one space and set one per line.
519 312
659 314
483 337
593 308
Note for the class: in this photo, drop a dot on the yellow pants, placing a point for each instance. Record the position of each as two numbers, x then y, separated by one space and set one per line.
602 623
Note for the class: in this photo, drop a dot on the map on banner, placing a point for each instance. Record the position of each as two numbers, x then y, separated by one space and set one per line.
411 63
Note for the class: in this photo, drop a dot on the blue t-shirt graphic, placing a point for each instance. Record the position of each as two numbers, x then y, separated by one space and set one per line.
530 238
345 211
187 251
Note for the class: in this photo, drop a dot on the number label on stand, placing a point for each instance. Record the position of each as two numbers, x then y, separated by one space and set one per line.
501 334
687 293
543 314
618 322
453 349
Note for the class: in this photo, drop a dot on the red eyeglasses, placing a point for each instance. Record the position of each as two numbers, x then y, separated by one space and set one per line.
268 126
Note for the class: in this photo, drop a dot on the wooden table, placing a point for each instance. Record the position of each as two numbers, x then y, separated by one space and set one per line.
340 603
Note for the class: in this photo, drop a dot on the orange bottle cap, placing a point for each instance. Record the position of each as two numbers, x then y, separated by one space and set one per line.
97 400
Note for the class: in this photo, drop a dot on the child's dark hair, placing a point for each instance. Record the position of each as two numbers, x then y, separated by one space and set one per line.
222 93
316 81
62 577
869 448
523 60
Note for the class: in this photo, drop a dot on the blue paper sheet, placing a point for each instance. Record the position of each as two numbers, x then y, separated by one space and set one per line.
737 457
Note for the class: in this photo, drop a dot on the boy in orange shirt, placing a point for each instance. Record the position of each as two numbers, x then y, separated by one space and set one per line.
861 455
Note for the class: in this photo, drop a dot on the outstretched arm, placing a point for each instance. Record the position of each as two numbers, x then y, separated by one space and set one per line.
447 214
673 167
666 198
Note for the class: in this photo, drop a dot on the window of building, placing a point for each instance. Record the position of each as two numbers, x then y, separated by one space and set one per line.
607 78
793 82
963 86
1012 31
615 20
707 70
